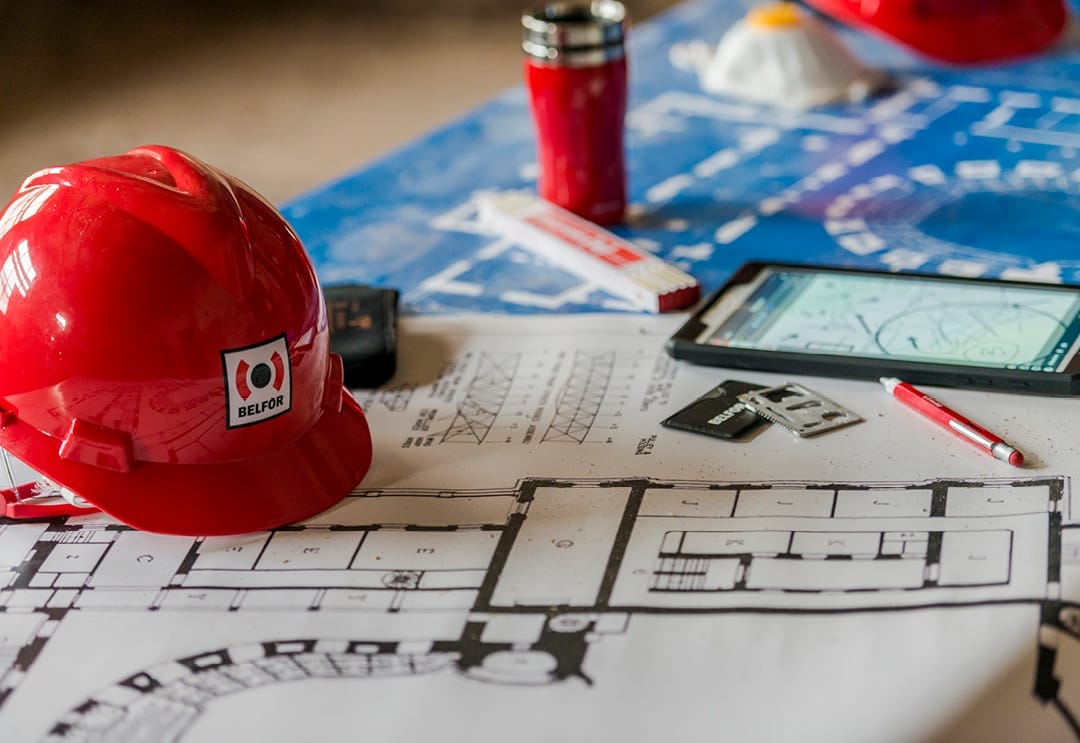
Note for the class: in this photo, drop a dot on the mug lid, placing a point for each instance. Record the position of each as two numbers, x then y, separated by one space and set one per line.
569 27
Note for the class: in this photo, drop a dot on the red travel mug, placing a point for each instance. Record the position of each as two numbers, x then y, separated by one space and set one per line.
575 74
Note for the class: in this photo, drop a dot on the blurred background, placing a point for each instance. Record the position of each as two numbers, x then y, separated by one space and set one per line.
284 95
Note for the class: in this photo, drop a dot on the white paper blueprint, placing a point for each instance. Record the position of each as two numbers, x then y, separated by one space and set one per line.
532 555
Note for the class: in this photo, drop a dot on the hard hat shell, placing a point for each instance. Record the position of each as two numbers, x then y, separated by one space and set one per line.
164 349
957 31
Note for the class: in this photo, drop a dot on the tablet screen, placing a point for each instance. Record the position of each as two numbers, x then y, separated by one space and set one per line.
905 317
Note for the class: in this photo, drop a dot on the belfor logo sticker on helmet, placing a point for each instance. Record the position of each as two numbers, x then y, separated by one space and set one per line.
165 352
257 382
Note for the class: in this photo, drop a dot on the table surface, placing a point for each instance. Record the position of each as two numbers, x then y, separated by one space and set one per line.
969 172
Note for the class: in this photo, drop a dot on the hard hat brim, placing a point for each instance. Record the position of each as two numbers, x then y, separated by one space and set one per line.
286 484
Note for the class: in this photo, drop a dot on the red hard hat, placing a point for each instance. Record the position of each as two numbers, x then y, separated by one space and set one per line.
164 349
961 31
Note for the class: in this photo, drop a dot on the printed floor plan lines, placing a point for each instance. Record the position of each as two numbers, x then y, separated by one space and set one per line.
831 560
515 592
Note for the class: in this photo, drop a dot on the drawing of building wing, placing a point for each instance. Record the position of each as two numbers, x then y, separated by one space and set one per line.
527 589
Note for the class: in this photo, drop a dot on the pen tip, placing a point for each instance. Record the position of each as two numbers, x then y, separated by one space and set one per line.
1016 458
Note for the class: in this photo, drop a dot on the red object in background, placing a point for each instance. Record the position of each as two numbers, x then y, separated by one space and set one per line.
133 288
958 31
575 73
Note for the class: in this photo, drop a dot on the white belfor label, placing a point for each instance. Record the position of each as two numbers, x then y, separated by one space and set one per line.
258 382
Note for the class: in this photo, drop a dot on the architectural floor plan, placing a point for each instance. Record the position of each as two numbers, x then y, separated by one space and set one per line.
527 591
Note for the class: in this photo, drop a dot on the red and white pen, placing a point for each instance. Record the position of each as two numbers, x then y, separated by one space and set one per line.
936 411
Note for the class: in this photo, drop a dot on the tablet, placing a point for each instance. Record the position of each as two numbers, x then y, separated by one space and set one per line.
929 329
